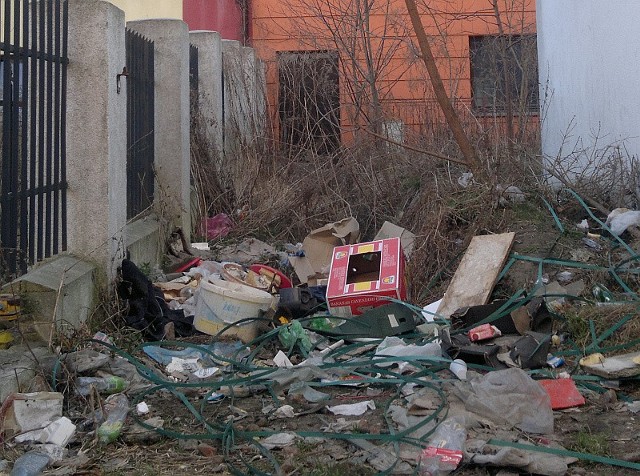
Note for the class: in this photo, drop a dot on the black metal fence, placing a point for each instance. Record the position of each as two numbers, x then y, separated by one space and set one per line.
33 76
140 123
193 77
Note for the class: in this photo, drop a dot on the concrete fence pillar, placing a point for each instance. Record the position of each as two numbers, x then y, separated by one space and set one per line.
210 86
172 159
96 133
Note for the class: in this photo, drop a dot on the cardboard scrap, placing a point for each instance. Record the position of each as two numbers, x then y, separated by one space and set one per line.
476 276
615 367
389 230
318 247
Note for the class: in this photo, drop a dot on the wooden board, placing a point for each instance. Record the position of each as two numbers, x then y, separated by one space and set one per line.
476 276
615 367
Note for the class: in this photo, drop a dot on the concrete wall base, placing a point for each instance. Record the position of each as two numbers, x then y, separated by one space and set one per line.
144 241
65 279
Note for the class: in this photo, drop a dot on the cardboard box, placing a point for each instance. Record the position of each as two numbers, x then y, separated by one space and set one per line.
363 274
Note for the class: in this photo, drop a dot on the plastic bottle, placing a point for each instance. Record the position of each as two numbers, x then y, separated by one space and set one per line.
30 464
601 293
108 385
117 407
445 449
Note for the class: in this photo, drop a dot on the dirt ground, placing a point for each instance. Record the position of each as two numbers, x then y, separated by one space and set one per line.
201 437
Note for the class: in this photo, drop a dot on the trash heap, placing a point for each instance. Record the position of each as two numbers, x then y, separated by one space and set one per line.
257 360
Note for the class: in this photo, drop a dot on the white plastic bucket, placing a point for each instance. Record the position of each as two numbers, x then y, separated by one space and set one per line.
220 303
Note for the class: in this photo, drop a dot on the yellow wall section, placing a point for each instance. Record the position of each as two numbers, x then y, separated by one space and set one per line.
146 9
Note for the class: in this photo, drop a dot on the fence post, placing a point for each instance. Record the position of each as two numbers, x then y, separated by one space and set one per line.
172 160
210 86
96 133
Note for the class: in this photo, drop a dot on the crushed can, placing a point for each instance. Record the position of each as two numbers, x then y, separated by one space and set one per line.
554 362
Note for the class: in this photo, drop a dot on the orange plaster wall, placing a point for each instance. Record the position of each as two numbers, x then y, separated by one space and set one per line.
286 25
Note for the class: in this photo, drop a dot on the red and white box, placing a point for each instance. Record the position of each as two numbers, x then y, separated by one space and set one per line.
364 274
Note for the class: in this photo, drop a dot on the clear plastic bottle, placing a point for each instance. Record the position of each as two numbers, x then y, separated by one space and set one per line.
108 385
117 408
445 449
30 464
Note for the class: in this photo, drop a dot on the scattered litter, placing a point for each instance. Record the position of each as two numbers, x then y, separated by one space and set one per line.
618 366
430 311
593 359
31 463
510 194
459 368
389 230
563 393
279 440
477 273
593 244
183 365
281 360
554 362
285 411
59 432
634 407
619 223
217 226
318 248
394 350
117 408
309 393
364 275
583 226
31 411
353 409
142 408
509 397
484 332
444 452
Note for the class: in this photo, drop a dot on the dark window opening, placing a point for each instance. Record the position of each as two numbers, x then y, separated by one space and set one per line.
309 101
504 69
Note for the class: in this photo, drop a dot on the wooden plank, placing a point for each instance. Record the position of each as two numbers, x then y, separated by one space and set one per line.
618 366
476 276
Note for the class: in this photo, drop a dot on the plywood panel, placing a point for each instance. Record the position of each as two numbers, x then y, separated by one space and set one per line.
476 276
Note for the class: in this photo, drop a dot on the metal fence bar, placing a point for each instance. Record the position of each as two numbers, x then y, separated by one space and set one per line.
56 131
24 159
40 136
193 77
33 213
48 223
63 125
140 123
33 170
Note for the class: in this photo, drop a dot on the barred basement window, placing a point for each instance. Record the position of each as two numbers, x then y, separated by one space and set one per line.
504 69
309 100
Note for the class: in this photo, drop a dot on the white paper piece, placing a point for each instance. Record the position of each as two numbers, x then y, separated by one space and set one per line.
206 372
142 408
281 360
353 409
183 365
429 311
396 347
285 411
279 440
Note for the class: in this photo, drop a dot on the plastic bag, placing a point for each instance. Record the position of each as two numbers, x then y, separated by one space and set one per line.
293 334
445 450
511 396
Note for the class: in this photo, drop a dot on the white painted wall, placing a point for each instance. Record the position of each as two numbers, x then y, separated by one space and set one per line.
589 63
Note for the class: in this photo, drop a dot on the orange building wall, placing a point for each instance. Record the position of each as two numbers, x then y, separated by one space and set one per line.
292 25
